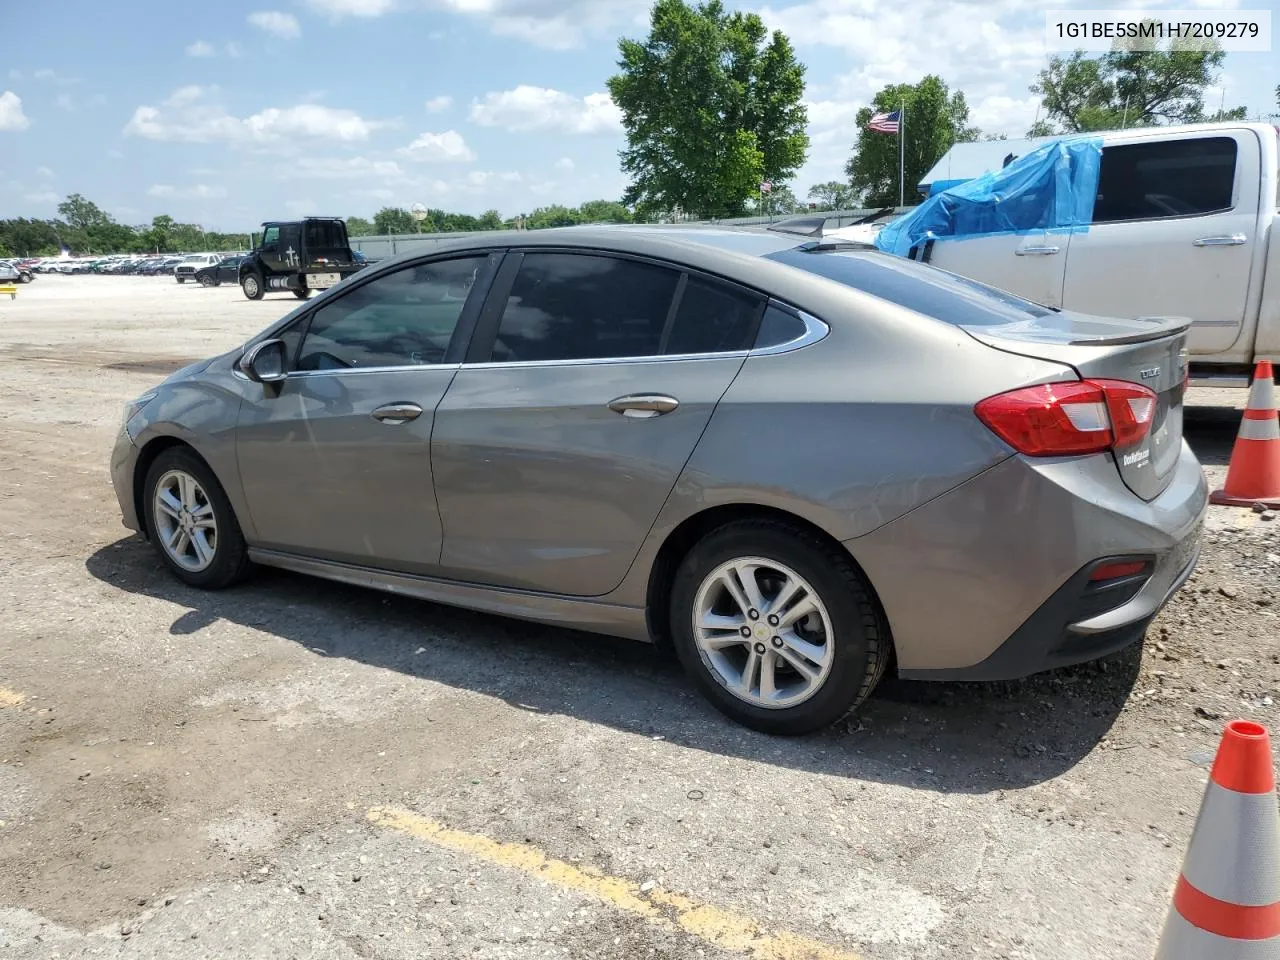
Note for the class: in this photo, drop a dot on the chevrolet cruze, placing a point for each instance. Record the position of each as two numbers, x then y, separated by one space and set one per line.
795 463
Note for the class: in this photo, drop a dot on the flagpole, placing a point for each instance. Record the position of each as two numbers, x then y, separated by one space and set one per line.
902 152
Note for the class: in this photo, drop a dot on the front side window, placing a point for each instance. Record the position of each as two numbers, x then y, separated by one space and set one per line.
565 306
271 237
1170 178
401 319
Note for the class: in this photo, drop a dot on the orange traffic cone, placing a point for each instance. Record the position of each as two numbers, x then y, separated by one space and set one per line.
1227 902
1253 475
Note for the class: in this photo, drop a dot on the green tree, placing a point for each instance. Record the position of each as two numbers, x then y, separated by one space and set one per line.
81 213
359 227
781 201
711 104
1127 88
833 195
491 220
394 220
553 216
935 119
603 211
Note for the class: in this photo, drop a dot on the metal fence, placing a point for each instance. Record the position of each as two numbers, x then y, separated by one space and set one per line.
390 245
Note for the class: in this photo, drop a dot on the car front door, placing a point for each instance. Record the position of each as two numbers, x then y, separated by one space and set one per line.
1173 234
335 461
588 384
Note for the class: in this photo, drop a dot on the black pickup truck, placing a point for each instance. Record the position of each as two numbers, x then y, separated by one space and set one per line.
298 256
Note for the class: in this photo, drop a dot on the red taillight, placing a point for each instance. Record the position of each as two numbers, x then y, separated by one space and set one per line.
1123 568
1066 419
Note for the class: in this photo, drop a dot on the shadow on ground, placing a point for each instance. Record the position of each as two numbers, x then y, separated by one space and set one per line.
1211 432
940 736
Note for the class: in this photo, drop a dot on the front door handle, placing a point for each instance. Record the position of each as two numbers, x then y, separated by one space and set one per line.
394 413
1233 240
643 406
1036 251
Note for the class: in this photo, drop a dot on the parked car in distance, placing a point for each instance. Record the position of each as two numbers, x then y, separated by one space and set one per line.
186 270
21 268
226 270
794 462
9 273
1186 223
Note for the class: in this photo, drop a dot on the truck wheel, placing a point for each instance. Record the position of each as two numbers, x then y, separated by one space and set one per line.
302 294
251 284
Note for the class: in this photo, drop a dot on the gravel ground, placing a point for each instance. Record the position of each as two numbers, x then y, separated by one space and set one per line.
189 775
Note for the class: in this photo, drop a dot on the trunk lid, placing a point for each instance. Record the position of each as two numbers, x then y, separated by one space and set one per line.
1150 351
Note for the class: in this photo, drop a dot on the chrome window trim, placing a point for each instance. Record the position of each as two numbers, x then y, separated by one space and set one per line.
815 330
401 368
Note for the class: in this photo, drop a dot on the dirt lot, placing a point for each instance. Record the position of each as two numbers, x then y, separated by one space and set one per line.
300 769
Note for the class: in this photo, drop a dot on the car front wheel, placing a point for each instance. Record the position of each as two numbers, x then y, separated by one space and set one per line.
207 281
777 627
251 284
193 527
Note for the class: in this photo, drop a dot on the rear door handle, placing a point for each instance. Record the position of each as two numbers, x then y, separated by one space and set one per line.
1037 251
642 406
1233 240
394 413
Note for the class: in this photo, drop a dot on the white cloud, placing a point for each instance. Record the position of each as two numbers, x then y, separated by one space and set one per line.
63 102
353 8
439 104
11 115
45 172
565 164
540 108
45 196
176 119
343 168
447 147
276 23
201 49
199 191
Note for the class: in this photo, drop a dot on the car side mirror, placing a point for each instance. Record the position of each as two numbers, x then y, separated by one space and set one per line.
264 362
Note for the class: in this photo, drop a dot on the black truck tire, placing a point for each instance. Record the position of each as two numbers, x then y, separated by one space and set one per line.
251 284
302 294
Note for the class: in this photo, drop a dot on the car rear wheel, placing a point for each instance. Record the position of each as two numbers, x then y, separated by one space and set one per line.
192 525
207 281
251 284
777 627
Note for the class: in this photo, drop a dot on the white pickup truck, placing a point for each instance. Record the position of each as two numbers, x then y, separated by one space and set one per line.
1186 223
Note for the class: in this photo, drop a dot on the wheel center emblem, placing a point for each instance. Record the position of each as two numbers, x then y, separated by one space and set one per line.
762 632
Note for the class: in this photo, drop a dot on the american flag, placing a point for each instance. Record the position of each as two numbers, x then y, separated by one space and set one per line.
885 122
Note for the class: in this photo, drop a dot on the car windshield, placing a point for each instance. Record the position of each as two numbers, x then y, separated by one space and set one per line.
917 286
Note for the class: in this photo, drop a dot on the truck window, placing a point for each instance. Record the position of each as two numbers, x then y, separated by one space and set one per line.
271 237
324 235
1171 178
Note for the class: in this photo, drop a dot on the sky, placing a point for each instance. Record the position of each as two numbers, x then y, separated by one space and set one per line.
232 113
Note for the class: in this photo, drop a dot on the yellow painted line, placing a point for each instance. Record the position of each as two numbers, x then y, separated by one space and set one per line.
10 698
720 928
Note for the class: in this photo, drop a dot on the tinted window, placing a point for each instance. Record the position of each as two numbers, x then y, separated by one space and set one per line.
579 307
1175 178
916 286
779 326
713 318
405 318
325 235
270 235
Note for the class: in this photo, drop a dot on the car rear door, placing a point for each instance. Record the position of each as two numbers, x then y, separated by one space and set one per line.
1173 234
335 461
588 384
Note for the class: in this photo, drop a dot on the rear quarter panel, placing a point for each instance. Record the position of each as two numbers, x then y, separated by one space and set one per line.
851 432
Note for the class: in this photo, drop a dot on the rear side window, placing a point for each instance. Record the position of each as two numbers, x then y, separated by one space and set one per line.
916 286
1173 178
713 318
778 327
566 306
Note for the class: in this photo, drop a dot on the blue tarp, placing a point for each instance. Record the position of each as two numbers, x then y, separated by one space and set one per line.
1050 189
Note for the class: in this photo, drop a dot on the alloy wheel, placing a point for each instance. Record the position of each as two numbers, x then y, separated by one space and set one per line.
185 524
763 632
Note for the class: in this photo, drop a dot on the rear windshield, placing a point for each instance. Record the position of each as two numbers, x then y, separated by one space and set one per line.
325 235
916 286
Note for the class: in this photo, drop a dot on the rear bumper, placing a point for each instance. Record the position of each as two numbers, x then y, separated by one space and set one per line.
991 580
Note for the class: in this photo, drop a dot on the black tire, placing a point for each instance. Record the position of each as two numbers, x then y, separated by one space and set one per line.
251 284
231 557
302 294
208 282
24 278
860 634
180 279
